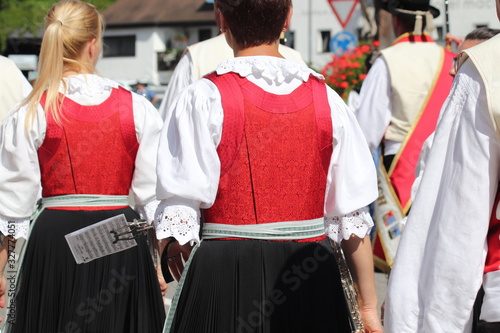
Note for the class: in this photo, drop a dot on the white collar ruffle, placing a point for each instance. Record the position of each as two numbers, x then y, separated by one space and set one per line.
277 70
87 85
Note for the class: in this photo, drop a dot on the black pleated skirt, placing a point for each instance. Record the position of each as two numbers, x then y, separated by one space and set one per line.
118 293
247 286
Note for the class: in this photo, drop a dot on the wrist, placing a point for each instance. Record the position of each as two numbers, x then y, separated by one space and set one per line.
164 243
367 306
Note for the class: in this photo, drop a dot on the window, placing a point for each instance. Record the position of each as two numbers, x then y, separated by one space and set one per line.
325 41
168 60
119 46
289 39
440 33
204 34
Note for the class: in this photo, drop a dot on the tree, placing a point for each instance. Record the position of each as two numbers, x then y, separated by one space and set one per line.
25 17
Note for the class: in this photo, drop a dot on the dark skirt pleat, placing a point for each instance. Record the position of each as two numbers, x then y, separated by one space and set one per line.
240 286
117 293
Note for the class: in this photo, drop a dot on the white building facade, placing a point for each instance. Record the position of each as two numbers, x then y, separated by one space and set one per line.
312 27
152 46
467 15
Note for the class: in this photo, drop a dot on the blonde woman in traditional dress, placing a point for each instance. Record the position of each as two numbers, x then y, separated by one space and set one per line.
78 134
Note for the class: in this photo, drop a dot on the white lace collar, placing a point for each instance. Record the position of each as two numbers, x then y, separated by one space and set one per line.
273 69
87 84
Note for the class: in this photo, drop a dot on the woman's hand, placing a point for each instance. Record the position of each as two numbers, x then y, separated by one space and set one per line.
161 281
359 257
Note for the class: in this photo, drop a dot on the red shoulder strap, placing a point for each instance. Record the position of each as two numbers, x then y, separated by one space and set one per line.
402 172
234 117
122 99
323 120
53 135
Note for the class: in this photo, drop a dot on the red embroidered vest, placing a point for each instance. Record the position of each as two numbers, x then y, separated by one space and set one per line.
275 153
493 255
93 152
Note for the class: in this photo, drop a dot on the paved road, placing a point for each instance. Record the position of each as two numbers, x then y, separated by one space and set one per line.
381 286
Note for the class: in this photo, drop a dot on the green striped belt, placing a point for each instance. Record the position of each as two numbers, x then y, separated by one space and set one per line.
81 200
273 231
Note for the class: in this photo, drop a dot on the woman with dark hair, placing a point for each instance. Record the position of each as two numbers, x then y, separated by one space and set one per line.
274 163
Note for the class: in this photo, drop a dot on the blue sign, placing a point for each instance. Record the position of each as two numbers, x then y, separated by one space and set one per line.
342 42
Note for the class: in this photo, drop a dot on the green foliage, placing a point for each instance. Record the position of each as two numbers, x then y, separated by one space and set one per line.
25 17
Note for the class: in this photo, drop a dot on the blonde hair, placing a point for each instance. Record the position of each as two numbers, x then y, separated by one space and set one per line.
69 25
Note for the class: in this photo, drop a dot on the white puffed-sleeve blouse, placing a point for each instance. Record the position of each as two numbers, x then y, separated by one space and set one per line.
189 168
19 167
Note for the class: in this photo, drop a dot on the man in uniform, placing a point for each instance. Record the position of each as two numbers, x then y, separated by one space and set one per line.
400 102
451 244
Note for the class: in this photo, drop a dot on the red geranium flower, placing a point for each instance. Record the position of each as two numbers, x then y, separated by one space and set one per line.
347 72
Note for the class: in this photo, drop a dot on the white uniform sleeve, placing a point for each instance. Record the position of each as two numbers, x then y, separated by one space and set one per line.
26 87
439 265
180 79
374 112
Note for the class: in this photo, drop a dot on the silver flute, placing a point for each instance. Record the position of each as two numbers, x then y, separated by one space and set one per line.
349 290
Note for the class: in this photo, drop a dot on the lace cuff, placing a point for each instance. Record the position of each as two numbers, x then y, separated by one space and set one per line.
181 222
17 228
358 223
147 212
